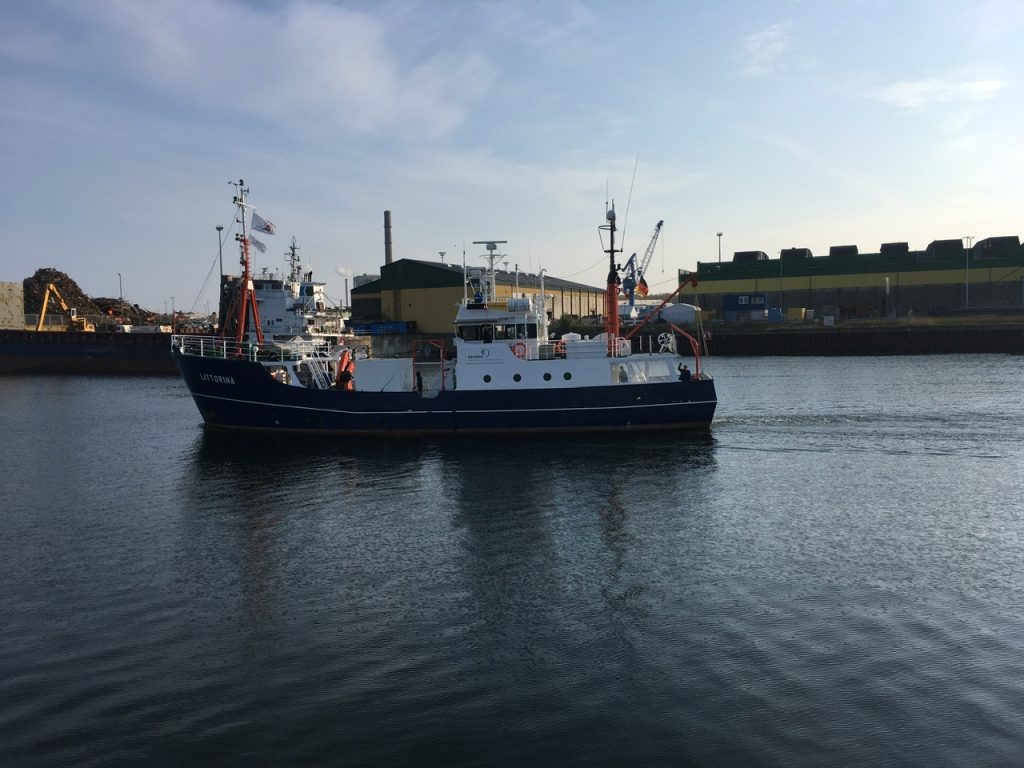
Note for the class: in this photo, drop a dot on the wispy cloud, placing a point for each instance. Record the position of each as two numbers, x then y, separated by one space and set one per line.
770 50
306 61
921 94
559 31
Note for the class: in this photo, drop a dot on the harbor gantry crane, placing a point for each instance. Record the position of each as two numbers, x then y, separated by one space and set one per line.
634 279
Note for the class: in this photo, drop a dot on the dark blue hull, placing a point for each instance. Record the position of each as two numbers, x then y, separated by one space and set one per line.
234 394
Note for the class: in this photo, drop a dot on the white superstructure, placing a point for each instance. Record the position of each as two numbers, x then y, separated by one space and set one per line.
294 304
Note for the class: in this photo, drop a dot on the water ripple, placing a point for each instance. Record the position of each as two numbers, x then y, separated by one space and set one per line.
829 576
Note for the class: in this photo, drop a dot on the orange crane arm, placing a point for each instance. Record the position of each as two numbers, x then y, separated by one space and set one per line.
51 290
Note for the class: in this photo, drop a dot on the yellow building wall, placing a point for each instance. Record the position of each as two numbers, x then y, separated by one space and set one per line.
433 309
976 275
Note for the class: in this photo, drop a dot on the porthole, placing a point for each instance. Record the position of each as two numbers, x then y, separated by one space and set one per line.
566 375
487 379
517 377
547 377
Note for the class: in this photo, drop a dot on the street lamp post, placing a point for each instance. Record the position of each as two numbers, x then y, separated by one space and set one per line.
782 299
719 247
220 247
172 315
220 257
967 272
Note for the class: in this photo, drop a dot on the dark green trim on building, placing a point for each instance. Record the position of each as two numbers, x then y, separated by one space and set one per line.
940 255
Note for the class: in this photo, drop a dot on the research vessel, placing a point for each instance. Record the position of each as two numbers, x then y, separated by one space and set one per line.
501 372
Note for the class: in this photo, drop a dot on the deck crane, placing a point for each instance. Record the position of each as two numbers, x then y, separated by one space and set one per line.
634 279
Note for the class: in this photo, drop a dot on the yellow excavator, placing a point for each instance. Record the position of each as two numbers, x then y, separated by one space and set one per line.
75 323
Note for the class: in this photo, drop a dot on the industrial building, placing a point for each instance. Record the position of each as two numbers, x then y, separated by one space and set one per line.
12 305
423 296
947 276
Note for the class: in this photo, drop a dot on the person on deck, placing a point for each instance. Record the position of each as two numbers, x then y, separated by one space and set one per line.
684 372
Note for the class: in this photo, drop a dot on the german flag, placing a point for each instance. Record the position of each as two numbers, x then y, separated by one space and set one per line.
641 287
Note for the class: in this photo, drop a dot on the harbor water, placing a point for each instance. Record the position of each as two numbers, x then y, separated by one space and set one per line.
833 574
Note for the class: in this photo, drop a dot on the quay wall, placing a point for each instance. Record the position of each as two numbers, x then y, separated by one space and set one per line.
100 353
909 340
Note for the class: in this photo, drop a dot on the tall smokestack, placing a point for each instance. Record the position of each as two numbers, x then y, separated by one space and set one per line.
387 237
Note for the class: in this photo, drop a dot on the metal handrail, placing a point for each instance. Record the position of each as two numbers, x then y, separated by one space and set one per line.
214 346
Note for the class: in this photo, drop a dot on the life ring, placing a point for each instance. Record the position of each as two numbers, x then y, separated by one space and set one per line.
519 349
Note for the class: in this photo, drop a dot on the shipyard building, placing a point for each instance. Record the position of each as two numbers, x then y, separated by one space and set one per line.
945 277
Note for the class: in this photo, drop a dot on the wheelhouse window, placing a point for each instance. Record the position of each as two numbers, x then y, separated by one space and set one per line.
483 332
497 332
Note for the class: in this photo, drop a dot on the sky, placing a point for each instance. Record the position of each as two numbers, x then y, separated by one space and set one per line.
779 123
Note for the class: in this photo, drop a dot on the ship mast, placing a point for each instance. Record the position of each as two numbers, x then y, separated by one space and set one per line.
295 263
611 294
491 287
247 297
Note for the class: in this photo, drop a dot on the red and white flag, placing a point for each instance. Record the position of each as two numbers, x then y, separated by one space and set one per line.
259 224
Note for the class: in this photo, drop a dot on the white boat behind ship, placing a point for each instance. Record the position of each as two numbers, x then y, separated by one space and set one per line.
291 305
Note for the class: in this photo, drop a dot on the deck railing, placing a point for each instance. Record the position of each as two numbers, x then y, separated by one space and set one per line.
213 346
216 346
